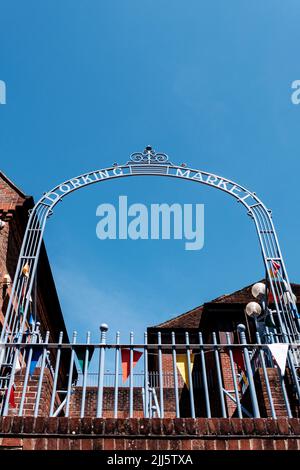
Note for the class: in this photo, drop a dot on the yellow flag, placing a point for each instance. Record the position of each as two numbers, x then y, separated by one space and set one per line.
182 365
25 270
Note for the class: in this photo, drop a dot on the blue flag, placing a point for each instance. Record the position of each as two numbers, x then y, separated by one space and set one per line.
36 354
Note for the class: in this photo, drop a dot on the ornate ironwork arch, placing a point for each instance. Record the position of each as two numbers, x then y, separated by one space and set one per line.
150 163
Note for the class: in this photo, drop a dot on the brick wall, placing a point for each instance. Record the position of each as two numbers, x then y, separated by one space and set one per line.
123 402
144 434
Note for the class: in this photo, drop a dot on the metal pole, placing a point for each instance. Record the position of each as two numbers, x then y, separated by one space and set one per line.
103 329
56 373
85 371
175 376
39 391
265 372
219 376
24 390
11 381
117 352
204 377
69 390
188 355
236 391
256 413
146 378
131 377
160 373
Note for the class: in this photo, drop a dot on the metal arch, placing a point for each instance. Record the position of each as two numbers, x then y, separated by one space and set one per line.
150 163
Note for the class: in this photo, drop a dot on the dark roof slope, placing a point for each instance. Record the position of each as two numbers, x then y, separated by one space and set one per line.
191 319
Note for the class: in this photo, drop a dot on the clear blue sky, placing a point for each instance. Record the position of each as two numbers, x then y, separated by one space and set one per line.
209 83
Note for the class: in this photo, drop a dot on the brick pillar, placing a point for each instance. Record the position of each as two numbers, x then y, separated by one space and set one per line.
31 393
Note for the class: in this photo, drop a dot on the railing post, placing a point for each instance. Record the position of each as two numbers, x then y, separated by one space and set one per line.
175 376
26 377
131 376
160 373
69 390
204 377
146 378
219 376
56 372
116 391
85 371
103 329
188 355
40 385
236 390
256 413
265 372
12 377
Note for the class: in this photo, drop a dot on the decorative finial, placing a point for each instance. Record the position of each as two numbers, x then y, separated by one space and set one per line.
148 156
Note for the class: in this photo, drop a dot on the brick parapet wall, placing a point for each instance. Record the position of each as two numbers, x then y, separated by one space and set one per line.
144 434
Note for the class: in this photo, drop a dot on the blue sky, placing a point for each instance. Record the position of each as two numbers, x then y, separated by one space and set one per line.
209 83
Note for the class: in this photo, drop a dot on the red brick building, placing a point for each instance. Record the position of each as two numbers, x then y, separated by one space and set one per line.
14 208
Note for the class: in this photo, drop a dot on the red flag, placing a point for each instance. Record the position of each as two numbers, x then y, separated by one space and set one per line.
276 266
238 358
12 397
271 297
125 354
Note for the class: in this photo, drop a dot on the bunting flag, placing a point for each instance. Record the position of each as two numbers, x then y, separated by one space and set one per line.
11 401
125 355
28 297
275 268
31 319
25 270
238 358
36 354
80 353
182 365
21 310
244 378
279 352
271 298
18 365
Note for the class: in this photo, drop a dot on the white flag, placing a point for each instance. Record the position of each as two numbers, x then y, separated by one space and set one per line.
279 352
27 297
18 365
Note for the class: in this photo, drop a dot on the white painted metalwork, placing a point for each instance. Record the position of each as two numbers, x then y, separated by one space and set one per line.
161 389
151 163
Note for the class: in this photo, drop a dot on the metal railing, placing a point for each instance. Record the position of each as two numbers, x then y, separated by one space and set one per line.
161 379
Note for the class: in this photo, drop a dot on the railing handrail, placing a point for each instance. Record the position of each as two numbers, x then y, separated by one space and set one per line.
142 345
204 376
